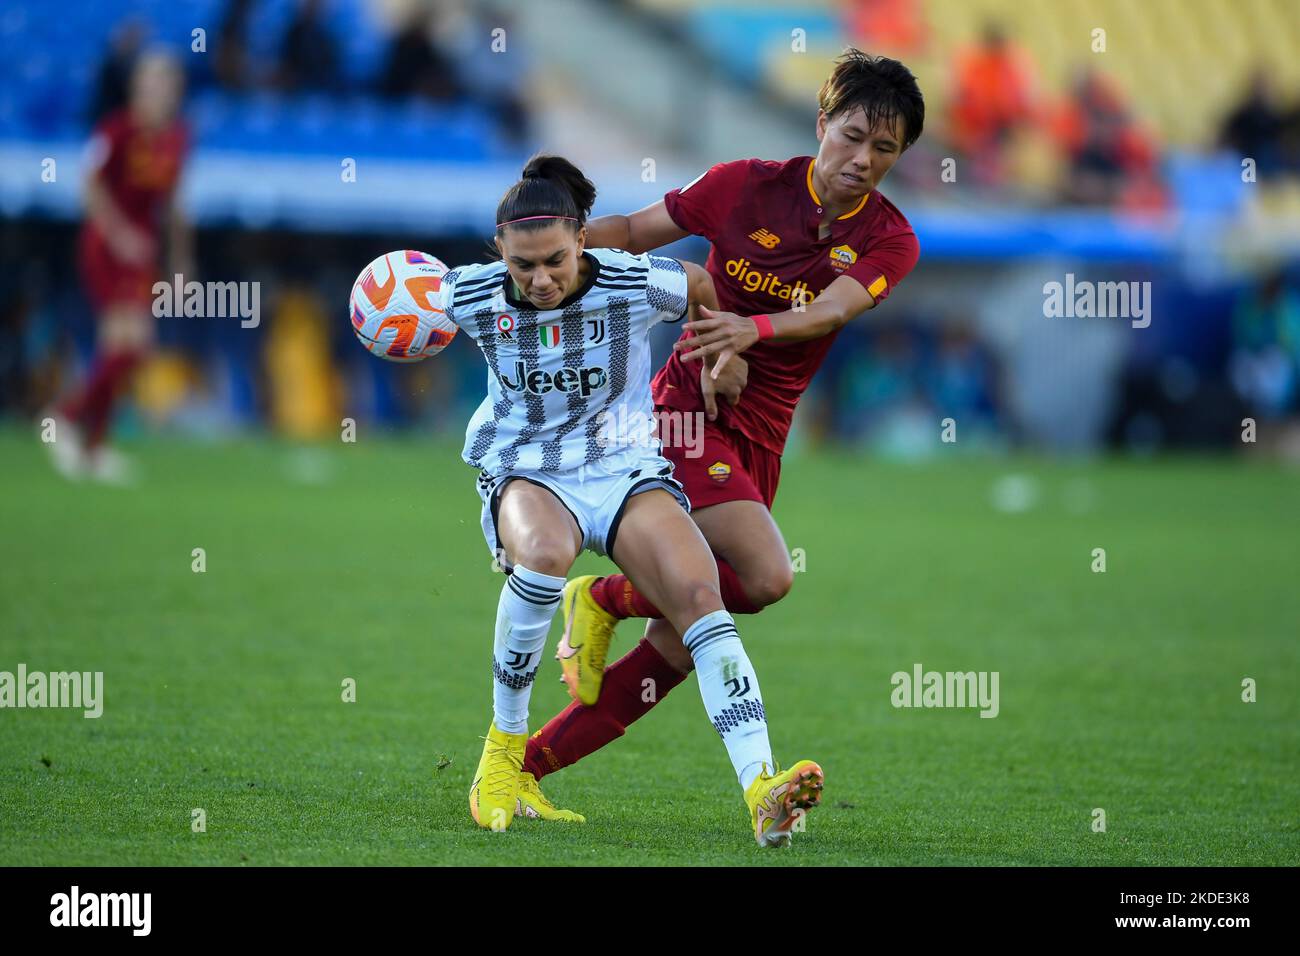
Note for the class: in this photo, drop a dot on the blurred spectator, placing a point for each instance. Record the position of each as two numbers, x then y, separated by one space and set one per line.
1265 361
962 380
493 60
882 383
993 96
305 386
1289 141
231 54
1254 126
889 387
309 55
1110 161
114 78
15 309
895 28
416 67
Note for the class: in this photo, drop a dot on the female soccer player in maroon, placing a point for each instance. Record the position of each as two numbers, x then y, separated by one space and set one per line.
798 249
134 166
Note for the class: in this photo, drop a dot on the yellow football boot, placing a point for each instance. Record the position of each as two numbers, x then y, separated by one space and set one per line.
777 803
588 631
533 803
493 796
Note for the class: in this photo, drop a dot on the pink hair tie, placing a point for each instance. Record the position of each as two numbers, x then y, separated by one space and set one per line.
526 218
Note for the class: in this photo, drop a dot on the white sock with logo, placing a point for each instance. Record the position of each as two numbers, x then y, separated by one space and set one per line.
528 602
729 687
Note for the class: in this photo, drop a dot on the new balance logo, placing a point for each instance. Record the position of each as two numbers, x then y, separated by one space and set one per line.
766 239
737 689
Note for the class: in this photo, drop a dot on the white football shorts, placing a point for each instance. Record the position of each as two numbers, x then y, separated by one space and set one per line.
595 494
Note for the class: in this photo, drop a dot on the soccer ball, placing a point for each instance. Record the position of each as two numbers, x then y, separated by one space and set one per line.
396 307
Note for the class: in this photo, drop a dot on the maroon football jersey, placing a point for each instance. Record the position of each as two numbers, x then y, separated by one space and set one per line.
763 219
140 167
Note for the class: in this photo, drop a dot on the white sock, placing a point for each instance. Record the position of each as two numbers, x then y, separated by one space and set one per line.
528 602
729 687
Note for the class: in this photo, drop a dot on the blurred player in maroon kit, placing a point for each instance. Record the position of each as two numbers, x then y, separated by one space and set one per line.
134 166
798 249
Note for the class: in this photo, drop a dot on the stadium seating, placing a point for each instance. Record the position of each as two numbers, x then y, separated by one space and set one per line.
1165 53
56 59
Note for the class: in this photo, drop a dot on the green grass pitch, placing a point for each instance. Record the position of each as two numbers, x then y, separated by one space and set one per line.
1119 690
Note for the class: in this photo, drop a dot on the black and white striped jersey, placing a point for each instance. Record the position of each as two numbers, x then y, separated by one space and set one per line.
562 382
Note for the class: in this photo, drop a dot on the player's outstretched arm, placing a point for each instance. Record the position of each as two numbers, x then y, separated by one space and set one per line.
643 230
725 334
731 382
700 289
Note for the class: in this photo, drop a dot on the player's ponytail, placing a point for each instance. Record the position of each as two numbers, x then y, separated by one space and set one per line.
550 188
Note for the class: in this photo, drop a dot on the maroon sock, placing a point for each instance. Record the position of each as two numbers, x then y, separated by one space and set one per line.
617 595
107 380
579 730
74 406
70 407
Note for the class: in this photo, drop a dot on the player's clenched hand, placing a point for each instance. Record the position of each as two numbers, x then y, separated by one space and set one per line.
716 333
729 386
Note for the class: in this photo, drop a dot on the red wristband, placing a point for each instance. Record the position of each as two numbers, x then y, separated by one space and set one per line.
764 324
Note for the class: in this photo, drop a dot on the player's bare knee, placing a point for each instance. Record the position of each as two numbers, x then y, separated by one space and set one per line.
699 600
543 557
770 586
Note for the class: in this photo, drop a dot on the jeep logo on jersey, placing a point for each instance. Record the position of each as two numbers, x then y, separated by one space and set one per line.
538 381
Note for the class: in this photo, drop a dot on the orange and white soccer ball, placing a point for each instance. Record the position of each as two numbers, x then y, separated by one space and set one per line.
397 309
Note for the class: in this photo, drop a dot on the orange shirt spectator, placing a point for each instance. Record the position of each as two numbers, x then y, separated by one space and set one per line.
894 27
994 93
1111 161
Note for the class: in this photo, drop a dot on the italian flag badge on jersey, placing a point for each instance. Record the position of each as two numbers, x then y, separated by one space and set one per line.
549 334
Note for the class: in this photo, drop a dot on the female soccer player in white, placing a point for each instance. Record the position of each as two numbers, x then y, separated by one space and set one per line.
564 463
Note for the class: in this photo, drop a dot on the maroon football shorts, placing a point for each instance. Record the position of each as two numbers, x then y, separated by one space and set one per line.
107 280
731 468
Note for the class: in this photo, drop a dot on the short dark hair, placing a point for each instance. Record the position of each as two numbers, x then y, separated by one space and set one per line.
549 186
884 88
